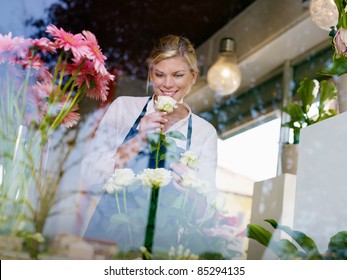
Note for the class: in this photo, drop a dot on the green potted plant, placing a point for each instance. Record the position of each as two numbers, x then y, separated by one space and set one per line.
301 247
311 93
311 106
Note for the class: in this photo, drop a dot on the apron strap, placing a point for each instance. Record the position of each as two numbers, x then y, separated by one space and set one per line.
144 110
133 130
189 133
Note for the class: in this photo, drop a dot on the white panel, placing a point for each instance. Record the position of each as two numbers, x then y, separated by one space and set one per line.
321 195
272 199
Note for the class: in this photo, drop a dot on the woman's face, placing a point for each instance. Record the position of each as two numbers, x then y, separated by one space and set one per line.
172 77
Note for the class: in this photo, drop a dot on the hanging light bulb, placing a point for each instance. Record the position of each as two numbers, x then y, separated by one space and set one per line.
224 76
324 13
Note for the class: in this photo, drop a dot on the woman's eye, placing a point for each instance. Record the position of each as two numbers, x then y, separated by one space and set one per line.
159 75
179 75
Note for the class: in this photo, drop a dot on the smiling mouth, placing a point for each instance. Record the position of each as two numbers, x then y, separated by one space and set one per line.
168 93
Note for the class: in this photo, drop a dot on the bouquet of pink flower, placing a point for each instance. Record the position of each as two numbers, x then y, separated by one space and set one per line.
38 95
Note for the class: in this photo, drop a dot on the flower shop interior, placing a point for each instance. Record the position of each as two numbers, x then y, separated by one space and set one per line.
262 174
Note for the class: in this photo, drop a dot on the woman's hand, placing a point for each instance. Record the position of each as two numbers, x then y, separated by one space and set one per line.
152 122
178 171
129 150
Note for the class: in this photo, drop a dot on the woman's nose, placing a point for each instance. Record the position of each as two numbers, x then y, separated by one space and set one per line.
168 82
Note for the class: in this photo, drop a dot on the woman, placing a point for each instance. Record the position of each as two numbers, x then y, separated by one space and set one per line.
121 142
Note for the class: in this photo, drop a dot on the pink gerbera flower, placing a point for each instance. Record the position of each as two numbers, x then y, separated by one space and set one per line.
10 47
97 85
48 100
86 69
45 45
35 62
68 41
6 42
21 46
72 118
41 94
95 52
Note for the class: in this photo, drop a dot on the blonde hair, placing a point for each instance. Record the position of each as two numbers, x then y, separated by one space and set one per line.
172 46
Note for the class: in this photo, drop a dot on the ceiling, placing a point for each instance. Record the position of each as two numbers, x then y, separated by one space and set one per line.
269 34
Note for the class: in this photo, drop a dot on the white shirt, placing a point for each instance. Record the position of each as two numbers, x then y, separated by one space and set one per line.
99 162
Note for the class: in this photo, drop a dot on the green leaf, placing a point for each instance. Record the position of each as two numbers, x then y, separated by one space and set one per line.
259 233
305 92
153 137
176 134
170 144
337 68
337 248
302 239
272 222
294 110
327 93
286 250
162 157
119 219
341 4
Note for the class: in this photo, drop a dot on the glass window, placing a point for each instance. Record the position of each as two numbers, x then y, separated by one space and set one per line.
252 154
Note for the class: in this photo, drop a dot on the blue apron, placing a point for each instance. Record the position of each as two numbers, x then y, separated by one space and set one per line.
127 227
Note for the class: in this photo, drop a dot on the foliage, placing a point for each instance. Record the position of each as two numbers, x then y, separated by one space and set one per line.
303 247
339 60
299 111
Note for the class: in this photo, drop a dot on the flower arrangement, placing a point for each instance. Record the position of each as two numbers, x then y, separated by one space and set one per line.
38 96
213 230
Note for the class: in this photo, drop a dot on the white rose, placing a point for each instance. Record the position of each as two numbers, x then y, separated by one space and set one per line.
124 177
165 104
121 178
192 181
189 159
156 178
109 186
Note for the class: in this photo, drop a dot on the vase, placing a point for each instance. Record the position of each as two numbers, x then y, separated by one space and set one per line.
13 189
23 184
289 158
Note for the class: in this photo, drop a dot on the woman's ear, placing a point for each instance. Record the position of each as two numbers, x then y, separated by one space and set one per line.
194 77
